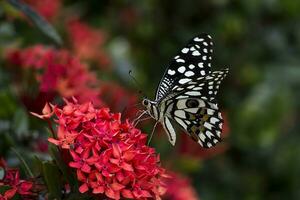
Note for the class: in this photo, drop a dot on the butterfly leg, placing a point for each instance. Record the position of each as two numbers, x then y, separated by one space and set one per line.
141 120
137 120
150 138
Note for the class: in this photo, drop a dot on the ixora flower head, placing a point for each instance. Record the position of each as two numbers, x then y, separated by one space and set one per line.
110 157
15 185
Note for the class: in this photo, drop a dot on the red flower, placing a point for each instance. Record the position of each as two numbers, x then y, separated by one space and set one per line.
47 8
180 188
87 42
57 71
110 157
12 180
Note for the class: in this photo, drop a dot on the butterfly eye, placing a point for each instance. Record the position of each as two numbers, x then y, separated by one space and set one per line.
145 102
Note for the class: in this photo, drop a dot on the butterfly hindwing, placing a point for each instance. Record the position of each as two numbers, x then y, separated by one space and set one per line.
192 61
200 119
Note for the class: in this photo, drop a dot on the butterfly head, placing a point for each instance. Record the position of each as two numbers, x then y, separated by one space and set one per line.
151 108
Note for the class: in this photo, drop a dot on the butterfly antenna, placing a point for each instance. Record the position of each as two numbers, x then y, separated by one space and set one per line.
136 83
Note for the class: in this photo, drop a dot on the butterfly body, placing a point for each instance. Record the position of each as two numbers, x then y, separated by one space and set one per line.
186 95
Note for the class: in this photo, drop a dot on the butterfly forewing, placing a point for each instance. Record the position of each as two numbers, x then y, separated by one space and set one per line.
194 60
202 87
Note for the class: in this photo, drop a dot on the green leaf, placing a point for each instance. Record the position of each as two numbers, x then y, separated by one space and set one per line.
27 168
2 173
52 178
20 122
37 19
67 174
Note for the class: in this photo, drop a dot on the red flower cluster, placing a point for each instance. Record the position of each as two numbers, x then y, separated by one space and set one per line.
58 72
180 188
15 184
87 42
110 157
47 8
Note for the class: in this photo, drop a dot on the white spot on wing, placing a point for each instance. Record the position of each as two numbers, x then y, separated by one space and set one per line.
196 53
181 69
208 125
189 73
193 93
185 50
202 137
180 114
209 134
184 80
181 122
191 66
197 39
202 72
214 120
171 72
197 88
210 111
192 110
181 104
180 60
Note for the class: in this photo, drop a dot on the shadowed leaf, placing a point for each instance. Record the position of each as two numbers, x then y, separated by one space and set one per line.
37 19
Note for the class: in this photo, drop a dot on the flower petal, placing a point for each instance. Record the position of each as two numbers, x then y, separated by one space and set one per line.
83 188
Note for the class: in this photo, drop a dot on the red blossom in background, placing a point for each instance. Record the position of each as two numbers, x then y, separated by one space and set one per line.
87 42
110 157
180 188
47 8
119 98
17 186
57 71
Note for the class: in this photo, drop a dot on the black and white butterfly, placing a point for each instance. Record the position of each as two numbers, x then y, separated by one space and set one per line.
186 94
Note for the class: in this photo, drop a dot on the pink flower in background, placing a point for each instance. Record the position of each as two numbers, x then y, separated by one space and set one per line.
119 99
87 42
180 188
110 157
57 71
47 8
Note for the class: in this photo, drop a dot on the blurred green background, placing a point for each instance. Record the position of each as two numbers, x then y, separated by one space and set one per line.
258 40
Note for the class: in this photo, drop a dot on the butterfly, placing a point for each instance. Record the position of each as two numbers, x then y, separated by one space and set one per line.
186 94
